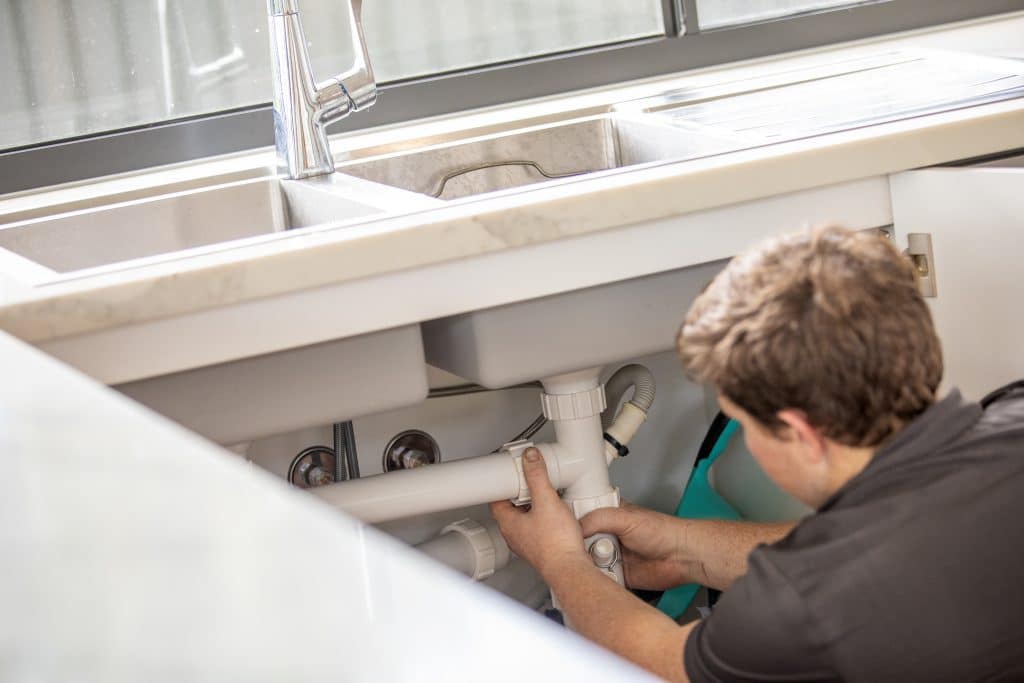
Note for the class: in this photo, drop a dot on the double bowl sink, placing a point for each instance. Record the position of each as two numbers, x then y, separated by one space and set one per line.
422 174
251 397
120 234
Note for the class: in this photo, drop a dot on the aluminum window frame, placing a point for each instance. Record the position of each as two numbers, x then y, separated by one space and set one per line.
682 47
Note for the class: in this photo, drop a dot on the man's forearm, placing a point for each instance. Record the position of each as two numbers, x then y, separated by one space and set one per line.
603 611
714 552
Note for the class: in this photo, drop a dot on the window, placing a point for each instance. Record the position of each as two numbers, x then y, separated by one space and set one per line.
84 66
718 13
409 38
83 83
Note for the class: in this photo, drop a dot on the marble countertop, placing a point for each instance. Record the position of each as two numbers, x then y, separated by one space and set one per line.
564 213
135 551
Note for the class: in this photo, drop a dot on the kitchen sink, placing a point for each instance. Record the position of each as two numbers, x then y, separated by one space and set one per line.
512 159
184 222
419 174
274 393
585 328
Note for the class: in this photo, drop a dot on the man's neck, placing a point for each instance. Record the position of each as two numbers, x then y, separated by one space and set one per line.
845 463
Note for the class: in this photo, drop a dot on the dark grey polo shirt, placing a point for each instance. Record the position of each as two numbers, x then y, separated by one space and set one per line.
913 571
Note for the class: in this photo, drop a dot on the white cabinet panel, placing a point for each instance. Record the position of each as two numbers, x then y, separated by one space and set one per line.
976 219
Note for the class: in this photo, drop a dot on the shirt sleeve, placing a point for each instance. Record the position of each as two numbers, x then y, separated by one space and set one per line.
758 631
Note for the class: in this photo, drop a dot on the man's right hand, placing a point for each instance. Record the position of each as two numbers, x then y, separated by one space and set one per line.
660 551
653 546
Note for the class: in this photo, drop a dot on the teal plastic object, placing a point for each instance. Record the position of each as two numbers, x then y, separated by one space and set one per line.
699 501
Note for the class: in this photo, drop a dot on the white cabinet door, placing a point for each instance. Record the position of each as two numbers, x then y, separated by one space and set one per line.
975 217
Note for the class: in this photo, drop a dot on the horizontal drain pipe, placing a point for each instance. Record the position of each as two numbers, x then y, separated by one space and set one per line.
577 462
446 485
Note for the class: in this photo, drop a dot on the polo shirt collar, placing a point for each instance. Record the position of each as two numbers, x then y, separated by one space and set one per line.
934 429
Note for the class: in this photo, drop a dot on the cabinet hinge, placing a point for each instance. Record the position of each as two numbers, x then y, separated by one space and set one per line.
919 251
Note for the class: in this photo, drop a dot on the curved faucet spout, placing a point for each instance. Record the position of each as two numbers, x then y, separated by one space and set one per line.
302 107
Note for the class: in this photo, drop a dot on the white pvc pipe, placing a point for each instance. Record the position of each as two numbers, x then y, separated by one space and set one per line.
456 550
592 489
443 486
577 462
453 550
584 437
425 489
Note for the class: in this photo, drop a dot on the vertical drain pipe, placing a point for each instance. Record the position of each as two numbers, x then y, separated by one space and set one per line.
574 403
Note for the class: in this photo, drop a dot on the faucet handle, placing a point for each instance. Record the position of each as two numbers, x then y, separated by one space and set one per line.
358 80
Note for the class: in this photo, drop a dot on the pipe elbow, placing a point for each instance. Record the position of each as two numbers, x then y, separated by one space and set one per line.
644 390
565 466
621 425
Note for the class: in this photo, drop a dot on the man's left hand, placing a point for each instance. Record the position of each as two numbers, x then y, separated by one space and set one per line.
546 535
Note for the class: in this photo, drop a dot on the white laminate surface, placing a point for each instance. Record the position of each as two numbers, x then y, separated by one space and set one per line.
131 550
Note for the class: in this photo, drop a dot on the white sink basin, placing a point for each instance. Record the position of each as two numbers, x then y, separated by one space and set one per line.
186 222
516 158
581 329
280 392
250 396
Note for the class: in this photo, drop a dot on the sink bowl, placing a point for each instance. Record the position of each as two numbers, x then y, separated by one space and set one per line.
251 398
584 328
517 158
186 221
246 397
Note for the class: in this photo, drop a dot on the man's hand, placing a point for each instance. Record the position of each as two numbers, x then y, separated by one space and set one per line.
547 535
652 546
660 551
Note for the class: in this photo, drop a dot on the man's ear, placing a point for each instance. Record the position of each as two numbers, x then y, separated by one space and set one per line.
807 436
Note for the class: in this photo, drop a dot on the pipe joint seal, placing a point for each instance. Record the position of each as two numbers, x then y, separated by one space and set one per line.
583 506
480 541
516 450
574 406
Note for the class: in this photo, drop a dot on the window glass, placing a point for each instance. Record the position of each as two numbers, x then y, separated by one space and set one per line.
414 37
718 13
78 67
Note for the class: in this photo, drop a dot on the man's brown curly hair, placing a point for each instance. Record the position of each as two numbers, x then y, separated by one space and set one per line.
827 321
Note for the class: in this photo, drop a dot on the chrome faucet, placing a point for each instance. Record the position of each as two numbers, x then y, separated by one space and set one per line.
302 107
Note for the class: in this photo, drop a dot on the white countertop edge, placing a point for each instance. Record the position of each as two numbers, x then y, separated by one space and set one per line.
324 256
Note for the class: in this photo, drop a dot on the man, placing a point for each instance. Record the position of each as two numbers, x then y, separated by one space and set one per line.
820 345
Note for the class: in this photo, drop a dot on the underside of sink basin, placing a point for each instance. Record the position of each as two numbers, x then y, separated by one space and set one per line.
581 329
532 155
279 392
183 221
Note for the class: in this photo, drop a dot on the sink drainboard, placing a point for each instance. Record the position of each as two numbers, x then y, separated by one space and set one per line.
905 86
